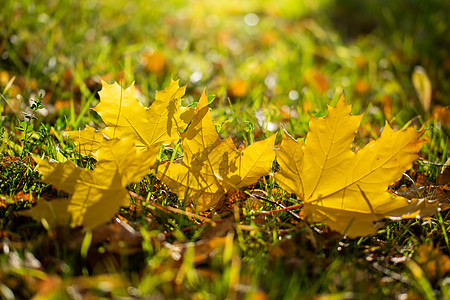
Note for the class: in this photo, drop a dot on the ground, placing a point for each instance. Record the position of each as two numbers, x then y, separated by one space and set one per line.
268 64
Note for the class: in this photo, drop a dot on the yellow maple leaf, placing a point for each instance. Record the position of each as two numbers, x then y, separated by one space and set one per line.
212 166
341 188
126 117
96 195
87 141
54 212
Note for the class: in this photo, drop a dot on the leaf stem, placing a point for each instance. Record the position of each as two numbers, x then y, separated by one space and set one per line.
283 208
171 209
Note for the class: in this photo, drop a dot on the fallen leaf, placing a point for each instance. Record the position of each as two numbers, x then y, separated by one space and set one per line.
387 106
223 226
238 88
84 287
343 189
126 117
362 86
153 61
55 212
229 200
317 79
96 195
425 196
442 114
21 196
116 237
87 140
435 263
52 285
422 84
360 61
212 166
61 104
444 177
207 248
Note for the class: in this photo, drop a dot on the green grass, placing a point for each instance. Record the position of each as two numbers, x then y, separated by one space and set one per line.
297 59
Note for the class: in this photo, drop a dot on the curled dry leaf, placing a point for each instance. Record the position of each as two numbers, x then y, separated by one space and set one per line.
212 166
341 188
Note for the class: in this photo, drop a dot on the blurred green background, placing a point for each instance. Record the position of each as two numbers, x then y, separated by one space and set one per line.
272 59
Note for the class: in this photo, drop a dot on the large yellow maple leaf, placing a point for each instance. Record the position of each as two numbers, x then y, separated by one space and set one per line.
126 117
212 166
341 188
96 195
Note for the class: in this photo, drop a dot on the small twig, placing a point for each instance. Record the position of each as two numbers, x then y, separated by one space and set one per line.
288 208
392 274
433 163
283 208
171 209
189 228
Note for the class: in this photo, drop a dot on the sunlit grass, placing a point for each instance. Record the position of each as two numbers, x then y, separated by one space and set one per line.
268 63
